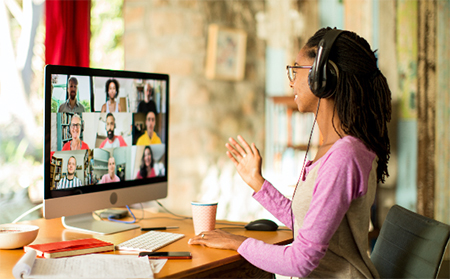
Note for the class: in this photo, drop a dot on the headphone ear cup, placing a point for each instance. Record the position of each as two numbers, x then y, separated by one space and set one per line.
322 78
317 77
331 80
321 82
313 78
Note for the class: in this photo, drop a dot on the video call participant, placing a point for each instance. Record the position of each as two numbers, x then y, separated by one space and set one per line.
148 104
330 209
112 140
112 91
70 180
149 136
72 104
76 127
111 175
147 163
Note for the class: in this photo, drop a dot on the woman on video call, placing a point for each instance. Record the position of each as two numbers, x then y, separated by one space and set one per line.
147 169
330 209
75 128
112 91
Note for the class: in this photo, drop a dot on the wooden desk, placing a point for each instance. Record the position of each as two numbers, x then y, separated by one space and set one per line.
205 262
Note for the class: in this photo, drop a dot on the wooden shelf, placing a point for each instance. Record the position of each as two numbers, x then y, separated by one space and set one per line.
288 101
301 147
291 107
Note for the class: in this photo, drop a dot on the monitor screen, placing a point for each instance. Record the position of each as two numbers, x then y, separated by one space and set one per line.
106 142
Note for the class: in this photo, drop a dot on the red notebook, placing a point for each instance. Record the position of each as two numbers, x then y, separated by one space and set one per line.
70 248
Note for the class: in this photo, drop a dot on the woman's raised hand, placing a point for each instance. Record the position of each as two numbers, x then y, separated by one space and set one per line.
247 160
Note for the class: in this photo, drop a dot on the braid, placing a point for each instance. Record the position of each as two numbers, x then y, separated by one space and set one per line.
362 96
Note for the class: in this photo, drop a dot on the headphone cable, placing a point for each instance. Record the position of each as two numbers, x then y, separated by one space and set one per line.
303 166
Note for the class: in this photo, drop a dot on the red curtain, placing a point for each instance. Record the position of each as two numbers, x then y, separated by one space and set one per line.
67 32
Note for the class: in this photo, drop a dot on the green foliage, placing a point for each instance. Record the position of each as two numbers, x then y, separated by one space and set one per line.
87 105
54 106
107 29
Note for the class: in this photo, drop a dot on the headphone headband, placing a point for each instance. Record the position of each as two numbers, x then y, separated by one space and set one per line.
322 78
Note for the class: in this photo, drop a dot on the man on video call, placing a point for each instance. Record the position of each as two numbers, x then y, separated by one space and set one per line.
112 140
70 180
148 104
149 136
72 104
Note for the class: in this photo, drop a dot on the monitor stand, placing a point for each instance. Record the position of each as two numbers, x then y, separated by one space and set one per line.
86 222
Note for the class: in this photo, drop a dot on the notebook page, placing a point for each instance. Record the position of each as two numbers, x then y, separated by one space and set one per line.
92 266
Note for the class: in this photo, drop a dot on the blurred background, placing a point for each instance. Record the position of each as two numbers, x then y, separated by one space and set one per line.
171 36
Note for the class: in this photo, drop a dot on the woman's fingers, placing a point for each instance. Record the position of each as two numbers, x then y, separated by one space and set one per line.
218 239
233 159
239 150
254 149
247 148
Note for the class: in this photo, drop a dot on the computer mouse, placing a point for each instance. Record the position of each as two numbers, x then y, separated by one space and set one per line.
262 225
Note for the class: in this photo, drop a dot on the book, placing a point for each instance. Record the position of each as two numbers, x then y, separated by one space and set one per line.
70 248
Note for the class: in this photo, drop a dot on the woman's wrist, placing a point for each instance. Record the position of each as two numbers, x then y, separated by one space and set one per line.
239 242
257 183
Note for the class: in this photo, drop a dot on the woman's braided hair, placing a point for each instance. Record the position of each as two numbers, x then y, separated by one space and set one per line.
362 96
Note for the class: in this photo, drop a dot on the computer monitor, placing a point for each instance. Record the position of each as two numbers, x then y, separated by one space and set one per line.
105 143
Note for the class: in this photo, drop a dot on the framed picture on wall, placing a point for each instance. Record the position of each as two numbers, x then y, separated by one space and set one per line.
225 57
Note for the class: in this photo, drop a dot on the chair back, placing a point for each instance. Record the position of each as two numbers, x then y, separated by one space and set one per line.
410 245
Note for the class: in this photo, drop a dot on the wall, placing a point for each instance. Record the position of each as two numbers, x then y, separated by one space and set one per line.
442 194
171 37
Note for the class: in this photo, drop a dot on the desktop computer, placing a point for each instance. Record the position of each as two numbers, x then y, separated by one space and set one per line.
105 145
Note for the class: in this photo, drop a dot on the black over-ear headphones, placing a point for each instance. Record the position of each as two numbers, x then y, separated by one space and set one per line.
322 78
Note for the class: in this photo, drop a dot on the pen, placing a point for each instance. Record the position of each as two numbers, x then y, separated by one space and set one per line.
158 228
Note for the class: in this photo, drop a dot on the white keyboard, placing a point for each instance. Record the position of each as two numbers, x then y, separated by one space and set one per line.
150 241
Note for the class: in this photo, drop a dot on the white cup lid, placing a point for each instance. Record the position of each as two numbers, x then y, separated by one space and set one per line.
204 203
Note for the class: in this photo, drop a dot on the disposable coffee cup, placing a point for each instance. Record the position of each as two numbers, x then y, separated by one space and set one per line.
204 216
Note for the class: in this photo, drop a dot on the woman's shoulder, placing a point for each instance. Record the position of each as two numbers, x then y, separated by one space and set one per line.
138 175
350 149
84 145
66 146
350 144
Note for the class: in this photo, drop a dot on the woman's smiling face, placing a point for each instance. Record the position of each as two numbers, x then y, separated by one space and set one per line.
304 98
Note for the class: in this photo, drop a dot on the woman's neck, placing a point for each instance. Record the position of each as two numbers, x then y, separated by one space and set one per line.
329 123
75 144
329 126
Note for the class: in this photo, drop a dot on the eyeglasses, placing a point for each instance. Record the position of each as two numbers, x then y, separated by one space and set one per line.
75 125
291 73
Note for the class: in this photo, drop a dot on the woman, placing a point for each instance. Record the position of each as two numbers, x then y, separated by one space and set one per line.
112 91
330 209
75 128
111 175
146 170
